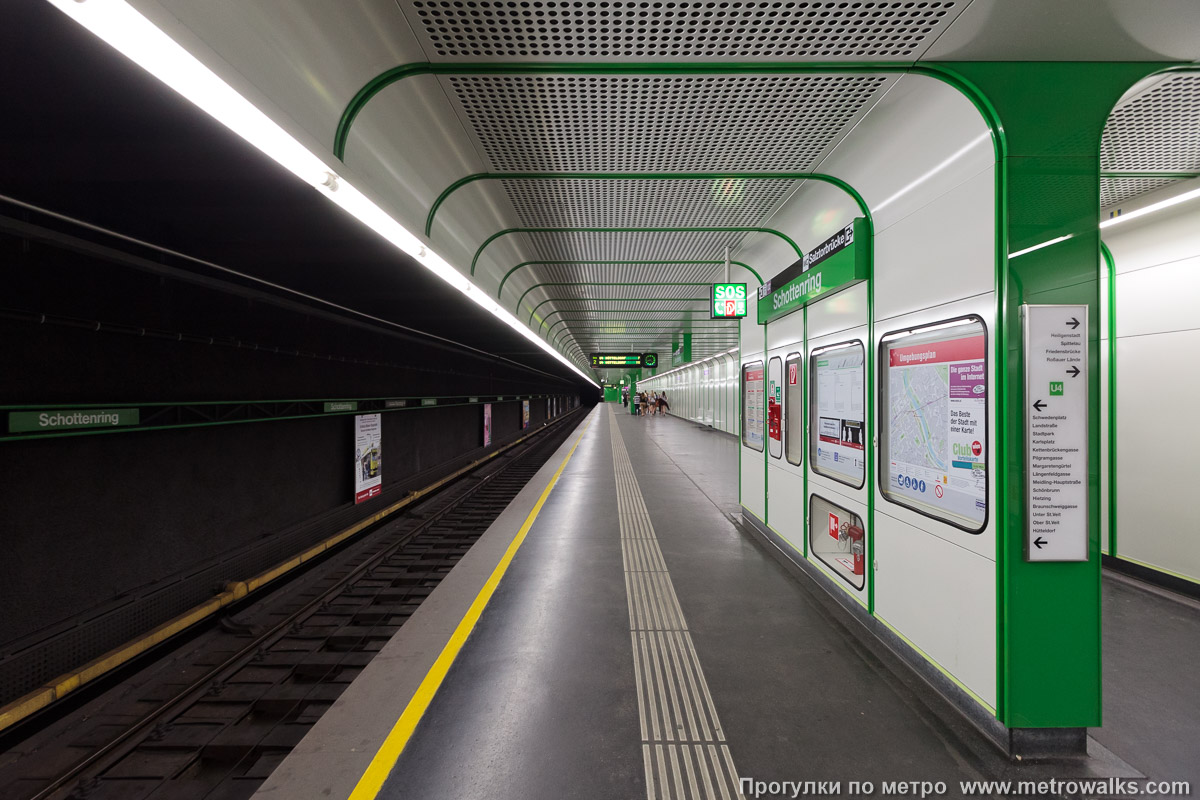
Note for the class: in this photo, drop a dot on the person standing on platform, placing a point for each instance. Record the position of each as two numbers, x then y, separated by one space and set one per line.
663 405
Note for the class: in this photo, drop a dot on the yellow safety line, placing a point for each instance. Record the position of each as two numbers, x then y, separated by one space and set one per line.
397 739
57 688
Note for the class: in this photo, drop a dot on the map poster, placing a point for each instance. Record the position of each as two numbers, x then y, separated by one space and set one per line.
368 456
487 424
937 413
839 384
754 404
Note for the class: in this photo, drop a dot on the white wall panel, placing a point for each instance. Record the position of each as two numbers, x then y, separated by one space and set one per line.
1158 333
942 598
1160 238
920 141
1158 391
1159 300
942 252
838 312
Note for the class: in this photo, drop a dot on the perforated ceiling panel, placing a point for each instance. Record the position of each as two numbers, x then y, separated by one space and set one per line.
645 203
636 246
1155 130
617 273
1114 191
583 291
602 29
535 123
641 304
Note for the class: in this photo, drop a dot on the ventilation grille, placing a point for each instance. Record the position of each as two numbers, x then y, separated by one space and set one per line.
546 29
645 203
600 246
1156 130
1114 191
660 123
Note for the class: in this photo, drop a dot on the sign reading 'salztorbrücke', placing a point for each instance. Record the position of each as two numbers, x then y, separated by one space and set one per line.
841 260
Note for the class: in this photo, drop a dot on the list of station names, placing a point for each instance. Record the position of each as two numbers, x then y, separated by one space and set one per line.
1056 408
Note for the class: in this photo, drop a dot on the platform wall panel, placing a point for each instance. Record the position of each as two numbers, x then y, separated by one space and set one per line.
940 597
1157 260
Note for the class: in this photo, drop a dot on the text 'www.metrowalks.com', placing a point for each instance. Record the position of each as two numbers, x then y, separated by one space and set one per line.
1087 788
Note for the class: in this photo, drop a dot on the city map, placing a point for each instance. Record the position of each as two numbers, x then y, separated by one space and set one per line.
920 415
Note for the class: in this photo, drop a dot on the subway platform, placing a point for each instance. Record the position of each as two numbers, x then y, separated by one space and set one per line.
617 634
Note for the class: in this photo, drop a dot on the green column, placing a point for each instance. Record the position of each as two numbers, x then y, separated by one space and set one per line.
1052 115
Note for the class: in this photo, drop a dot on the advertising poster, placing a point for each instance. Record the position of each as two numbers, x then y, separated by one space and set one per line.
839 384
937 410
487 424
755 405
368 456
524 414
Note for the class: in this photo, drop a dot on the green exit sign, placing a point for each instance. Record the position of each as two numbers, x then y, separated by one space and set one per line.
728 301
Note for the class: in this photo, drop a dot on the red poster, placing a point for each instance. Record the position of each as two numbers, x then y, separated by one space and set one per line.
834 525
793 373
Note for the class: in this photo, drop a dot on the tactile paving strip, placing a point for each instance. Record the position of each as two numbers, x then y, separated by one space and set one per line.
683 744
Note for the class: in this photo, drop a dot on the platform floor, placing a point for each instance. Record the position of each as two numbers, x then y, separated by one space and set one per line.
642 645
546 700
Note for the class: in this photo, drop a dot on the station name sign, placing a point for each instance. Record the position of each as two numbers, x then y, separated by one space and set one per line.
728 301
624 360
838 262
62 420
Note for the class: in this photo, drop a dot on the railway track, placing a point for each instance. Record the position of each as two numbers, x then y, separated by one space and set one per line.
214 716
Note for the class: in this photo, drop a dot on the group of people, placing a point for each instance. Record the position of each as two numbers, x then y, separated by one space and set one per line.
646 403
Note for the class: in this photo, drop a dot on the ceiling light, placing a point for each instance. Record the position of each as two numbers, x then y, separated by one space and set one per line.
139 40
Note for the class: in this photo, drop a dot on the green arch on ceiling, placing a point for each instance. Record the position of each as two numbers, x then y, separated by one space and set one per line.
396 74
508 274
615 300
622 176
517 307
698 229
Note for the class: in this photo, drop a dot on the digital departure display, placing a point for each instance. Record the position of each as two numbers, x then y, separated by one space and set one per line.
624 360
728 300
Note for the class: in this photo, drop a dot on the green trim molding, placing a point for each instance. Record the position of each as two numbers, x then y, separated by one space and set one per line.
1110 268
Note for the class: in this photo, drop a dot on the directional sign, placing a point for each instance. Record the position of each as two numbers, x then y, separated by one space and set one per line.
1056 417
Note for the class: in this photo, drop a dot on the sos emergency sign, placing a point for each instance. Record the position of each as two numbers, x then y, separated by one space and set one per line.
728 301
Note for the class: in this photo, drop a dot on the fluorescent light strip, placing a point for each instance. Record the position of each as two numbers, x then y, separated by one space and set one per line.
968 147
1150 209
1040 246
139 40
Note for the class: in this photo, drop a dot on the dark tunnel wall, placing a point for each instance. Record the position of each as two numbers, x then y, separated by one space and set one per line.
136 527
